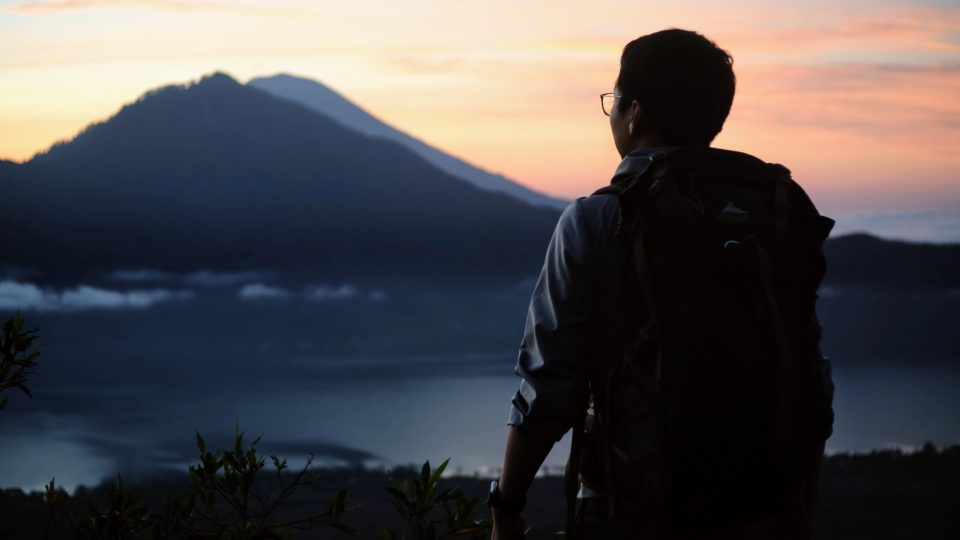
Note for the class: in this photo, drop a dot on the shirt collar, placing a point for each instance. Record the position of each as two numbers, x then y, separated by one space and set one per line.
636 162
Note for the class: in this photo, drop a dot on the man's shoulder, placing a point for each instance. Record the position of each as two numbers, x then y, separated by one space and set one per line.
588 226
596 214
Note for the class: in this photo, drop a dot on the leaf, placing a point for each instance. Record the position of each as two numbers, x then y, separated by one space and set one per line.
280 464
339 503
201 444
436 474
425 473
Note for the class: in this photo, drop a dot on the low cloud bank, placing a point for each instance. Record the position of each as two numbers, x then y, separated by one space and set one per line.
30 297
330 292
142 275
205 278
254 292
259 291
200 278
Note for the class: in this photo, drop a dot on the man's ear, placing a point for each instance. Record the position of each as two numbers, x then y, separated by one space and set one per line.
636 115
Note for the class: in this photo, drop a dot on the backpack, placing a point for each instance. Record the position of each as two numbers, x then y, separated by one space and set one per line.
701 413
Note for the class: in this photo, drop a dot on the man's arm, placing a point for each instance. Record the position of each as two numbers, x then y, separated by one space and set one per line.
521 461
558 336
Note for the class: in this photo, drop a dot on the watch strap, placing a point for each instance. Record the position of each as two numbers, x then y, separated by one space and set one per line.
497 502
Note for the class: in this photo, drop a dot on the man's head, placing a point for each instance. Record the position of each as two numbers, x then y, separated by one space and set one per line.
675 88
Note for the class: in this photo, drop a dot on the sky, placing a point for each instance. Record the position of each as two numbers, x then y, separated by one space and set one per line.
860 99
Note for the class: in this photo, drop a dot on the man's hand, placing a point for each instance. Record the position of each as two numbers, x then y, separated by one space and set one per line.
507 526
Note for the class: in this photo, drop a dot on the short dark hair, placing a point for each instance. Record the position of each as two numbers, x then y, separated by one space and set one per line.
683 80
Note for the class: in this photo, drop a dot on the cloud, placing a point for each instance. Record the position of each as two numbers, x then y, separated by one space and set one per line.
792 32
44 7
141 275
329 292
201 278
857 136
876 31
259 291
206 278
327 452
27 296
893 102
54 6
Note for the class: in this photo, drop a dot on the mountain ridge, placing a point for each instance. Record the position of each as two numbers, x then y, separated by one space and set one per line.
866 260
326 101
215 173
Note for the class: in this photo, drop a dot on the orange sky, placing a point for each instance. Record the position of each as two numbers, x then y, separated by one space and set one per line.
862 102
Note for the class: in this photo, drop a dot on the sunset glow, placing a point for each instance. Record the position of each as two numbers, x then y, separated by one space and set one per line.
862 102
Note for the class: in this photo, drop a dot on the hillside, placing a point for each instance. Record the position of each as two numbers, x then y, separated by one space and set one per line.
327 102
223 176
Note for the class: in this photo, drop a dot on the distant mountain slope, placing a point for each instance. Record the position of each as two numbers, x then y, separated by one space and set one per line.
862 259
219 175
318 97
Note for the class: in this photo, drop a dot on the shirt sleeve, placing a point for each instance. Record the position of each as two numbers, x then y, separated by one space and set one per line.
558 333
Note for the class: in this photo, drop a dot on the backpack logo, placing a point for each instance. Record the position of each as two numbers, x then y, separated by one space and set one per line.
732 208
732 213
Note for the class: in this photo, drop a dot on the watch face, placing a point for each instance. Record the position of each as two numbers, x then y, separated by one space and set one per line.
491 496
495 501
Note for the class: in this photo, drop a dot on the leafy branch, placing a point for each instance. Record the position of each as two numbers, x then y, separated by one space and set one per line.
229 497
17 361
418 501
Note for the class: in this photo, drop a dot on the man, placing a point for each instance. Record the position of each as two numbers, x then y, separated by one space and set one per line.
673 92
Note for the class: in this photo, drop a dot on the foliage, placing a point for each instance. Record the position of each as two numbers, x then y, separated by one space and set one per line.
17 361
418 501
229 497
233 504
124 516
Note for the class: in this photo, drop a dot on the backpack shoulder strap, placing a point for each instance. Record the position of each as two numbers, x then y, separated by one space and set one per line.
621 187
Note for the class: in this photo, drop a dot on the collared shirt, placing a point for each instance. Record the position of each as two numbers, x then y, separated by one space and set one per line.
576 289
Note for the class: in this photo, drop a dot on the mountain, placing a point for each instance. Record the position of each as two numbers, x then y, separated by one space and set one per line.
325 101
218 175
865 260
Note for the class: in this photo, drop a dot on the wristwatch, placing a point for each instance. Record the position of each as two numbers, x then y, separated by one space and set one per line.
495 501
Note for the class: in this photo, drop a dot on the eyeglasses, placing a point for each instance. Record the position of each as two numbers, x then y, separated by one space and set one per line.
607 101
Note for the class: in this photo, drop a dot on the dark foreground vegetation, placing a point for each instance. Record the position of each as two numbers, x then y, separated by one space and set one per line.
884 494
240 493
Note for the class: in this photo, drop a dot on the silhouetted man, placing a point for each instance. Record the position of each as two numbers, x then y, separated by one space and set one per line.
673 327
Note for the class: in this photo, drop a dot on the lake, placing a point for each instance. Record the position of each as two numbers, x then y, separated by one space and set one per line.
395 377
